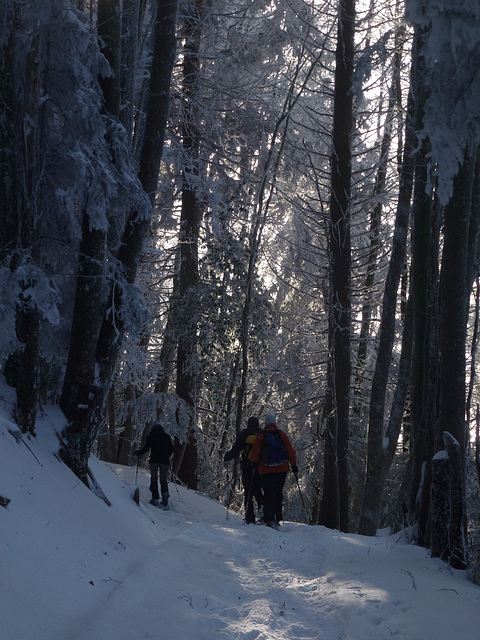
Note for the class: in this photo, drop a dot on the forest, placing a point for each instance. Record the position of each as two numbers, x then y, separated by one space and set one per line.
215 210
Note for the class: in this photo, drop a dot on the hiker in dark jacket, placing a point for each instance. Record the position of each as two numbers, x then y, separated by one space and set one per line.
160 445
273 473
250 478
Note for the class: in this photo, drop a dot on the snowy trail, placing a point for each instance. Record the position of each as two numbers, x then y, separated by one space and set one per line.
75 569
207 576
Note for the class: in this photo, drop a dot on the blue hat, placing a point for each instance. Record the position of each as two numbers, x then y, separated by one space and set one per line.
269 419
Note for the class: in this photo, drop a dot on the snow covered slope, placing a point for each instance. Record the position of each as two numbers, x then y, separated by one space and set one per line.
73 568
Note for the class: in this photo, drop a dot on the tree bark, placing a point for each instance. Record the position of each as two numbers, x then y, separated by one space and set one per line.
454 296
8 140
185 455
79 383
448 540
422 216
336 465
472 276
28 316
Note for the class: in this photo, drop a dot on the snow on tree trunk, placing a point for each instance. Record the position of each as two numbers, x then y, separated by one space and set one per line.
448 539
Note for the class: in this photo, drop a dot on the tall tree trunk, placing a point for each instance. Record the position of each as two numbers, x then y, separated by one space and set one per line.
453 326
8 137
472 276
377 461
432 347
336 465
421 262
79 382
477 442
185 455
28 316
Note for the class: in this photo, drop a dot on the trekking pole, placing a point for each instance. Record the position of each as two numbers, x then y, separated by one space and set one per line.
301 498
227 501
175 483
249 497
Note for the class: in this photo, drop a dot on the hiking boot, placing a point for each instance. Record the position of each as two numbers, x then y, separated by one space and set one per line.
155 502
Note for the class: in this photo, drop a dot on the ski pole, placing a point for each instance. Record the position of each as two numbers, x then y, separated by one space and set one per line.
136 472
249 495
227 502
301 497
175 483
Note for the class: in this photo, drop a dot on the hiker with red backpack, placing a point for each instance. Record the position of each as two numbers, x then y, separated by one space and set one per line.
250 478
274 453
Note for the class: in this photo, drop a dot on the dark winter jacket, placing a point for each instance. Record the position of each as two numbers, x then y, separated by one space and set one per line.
243 443
160 445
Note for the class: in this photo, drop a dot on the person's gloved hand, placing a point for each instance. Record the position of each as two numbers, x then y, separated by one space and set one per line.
294 469
136 453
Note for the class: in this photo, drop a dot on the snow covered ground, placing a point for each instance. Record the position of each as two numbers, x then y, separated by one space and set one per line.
73 568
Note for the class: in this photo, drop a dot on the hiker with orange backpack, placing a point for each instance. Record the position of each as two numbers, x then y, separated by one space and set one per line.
250 478
274 453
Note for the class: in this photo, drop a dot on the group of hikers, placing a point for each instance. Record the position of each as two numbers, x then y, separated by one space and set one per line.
266 455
